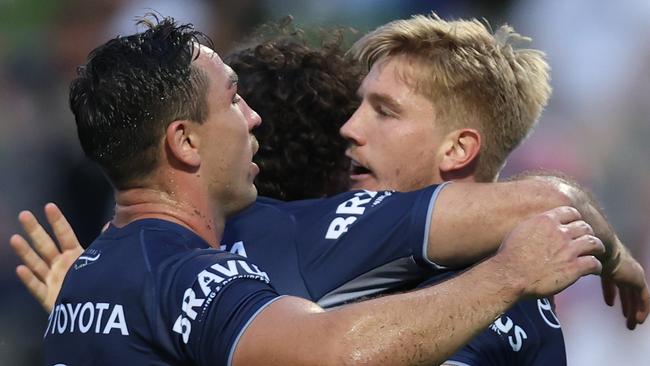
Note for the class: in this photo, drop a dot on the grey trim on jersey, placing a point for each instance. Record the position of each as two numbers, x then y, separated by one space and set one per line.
231 354
374 282
455 363
425 240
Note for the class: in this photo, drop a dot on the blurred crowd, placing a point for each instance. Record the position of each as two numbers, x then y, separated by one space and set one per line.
595 128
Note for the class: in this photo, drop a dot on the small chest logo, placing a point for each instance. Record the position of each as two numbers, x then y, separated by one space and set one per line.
89 257
546 311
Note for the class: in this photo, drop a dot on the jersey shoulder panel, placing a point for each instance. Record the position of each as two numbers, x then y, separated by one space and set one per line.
138 296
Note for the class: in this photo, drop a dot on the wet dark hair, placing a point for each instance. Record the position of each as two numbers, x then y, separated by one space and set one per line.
304 95
129 91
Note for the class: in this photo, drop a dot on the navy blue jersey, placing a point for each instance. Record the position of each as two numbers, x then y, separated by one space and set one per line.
528 334
154 293
339 249
360 244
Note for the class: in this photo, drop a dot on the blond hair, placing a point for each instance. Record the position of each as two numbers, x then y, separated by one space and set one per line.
474 77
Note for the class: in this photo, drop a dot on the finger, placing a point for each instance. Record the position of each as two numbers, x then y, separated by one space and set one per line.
578 228
565 214
588 264
644 305
631 309
29 257
61 227
625 303
588 245
41 240
609 291
35 286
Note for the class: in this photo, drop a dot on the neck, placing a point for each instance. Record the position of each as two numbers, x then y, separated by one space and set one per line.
195 214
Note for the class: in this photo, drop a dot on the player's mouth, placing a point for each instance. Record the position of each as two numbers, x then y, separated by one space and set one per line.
255 145
358 171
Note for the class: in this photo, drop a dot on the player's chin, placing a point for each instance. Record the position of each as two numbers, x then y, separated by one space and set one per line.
244 198
364 181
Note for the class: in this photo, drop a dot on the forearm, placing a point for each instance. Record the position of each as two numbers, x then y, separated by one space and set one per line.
421 327
448 315
470 220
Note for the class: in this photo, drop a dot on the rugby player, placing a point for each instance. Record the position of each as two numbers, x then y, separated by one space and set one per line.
294 87
527 334
161 115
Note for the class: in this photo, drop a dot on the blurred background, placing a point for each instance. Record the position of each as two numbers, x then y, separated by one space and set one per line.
595 129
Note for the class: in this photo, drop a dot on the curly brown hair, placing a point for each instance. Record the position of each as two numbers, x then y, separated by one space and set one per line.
304 95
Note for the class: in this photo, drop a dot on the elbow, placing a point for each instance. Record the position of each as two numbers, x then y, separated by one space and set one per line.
554 192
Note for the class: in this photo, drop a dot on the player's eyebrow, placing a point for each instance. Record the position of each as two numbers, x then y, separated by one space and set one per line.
385 99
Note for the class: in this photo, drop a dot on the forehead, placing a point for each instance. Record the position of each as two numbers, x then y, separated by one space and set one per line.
219 74
389 73
394 78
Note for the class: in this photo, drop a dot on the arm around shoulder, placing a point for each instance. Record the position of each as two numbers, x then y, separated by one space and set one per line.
470 220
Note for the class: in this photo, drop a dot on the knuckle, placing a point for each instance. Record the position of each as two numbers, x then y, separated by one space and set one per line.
547 217
586 227
573 211
564 232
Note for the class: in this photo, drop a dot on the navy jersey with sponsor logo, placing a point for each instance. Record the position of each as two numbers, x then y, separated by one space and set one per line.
528 334
360 244
339 249
154 293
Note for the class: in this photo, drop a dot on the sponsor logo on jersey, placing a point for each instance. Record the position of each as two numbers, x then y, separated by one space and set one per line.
208 283
90 256
515 334
546 311
89 317
381 198
348 212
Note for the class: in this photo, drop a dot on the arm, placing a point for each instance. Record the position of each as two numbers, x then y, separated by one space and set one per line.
426 326
470 220
475 217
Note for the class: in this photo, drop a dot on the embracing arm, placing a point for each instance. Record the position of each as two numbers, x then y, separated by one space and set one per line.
428 325
470 220
425 326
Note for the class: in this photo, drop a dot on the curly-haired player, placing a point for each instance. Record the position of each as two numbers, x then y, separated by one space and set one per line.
305 94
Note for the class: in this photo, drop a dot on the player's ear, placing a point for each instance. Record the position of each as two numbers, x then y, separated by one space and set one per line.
459 151
182 143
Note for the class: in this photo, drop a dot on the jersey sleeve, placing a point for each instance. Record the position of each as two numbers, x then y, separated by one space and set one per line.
364 243
213 298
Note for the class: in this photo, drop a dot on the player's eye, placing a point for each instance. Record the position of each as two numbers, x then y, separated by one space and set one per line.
383 111
236 99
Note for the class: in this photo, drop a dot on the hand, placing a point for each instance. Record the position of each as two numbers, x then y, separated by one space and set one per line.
45 265
550 251
629 278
